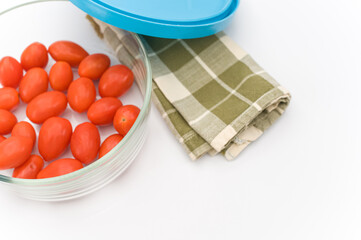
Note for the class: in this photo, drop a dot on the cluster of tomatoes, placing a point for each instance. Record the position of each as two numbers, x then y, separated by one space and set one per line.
45 107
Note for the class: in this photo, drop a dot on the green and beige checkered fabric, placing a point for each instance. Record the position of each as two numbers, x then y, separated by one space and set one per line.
214 97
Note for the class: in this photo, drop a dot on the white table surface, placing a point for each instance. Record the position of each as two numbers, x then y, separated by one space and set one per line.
300 180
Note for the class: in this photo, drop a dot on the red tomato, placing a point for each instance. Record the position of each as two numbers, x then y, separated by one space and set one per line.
60 167
9 98
109 144
30 168
81 94
67 51
102 111
14 151
46 105
35 55
54 137
7 121
24 129
93 66
60 76
115 81
2 138
124 118
11 72
85 142
33 83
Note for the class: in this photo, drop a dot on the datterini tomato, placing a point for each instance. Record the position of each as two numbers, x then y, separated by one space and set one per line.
60 167
11 72
60 76
46 105
85 142
102 111
115 81
35 55
7 121
14 151
81 94
33 83
67 51
109 144
24 129
30 168
54 137
9 98
124 118
93 66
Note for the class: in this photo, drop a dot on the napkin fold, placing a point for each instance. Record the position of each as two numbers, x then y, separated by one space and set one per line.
213 96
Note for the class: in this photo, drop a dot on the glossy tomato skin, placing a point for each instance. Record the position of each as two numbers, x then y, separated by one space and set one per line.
7 121
33 84
109 144
102 111
24 129
2 138
85 142
124 118
35 55
93 66
30 168
115 81
67 51
54 137
9 98
46 105
11 72
14 151
60 76
81 94
60 167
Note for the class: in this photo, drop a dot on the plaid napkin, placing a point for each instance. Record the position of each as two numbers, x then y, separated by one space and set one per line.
214 97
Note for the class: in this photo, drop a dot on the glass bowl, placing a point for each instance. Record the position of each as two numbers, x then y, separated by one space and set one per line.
49 21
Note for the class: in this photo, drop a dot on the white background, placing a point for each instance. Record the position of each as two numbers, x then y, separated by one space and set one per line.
300 180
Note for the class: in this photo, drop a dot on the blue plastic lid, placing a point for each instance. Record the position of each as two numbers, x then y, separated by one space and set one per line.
163 18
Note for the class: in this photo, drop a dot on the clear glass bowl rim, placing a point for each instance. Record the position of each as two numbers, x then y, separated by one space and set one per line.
99 162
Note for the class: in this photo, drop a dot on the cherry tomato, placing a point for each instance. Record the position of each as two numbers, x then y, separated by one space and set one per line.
85 142
67 51
33 83
115 81
9 98
11 72
54 137
109 144
14 151
102 111
24 129
60 167
93 66
35 55
60 76
81 94
124 118
2 138
46 105
7 121
30 168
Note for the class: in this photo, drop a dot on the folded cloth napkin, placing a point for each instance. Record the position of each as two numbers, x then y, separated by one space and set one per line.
214 97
